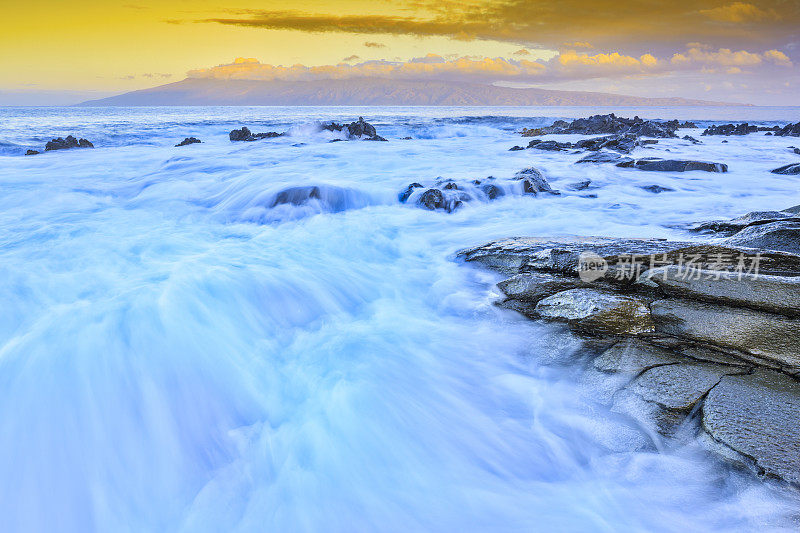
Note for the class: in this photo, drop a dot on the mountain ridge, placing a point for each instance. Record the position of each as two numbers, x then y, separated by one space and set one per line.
370 91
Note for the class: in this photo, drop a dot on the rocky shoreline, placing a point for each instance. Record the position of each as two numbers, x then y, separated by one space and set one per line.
701 338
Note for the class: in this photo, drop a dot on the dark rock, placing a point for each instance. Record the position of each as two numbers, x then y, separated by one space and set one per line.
790 130
534 182
730 129
407 193
188 140
791 169
609 124
781 235
603 157
515 148
755 416
552 146
492 191
245 134
534 286
671 165
727 228
656 189
580 185
597 312
432 199
355 130
297 195
691 139
32 152
69 142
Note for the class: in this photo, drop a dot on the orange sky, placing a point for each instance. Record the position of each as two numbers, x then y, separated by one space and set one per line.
93 46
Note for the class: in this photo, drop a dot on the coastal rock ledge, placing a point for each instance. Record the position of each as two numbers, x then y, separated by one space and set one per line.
695 340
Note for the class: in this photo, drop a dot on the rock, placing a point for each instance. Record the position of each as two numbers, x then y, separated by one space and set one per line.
730 129
515 148
730 227
764 335
492 191
791 169
580 185
297 195
355 130
534 286
32 152
608 124
655 189
432 199
691 139
188 140
69 142
597 312
534 182
403 196
603 157
755 416
781 235
670 165
246 135
551 146
775 294
633 356
790 130
796 150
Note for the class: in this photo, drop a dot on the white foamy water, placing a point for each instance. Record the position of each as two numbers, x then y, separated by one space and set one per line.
176 355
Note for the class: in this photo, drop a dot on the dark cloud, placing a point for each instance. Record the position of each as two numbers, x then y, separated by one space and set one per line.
372 44
351 58
632 26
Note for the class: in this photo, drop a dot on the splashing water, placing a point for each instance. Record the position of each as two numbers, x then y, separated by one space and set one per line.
182 351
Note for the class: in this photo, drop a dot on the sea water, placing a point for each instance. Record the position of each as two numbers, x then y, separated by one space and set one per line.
178 355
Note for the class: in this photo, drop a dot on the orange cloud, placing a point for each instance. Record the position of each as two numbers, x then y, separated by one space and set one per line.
739 12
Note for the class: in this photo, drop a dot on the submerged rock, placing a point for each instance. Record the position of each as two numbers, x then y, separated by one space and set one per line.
691 139
188 141
359 129
730 129
671 165
603 157
32 152
66 143
403 196
246 135
534 182
656 189
609 124
791 169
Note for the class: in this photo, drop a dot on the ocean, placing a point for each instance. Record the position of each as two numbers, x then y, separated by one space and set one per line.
179 354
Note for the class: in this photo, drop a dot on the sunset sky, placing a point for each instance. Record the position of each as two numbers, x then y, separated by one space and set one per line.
64 52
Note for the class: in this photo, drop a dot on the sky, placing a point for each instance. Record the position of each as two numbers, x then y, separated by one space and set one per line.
55 52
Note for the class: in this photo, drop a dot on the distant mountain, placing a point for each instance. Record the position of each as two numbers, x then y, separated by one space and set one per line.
369 91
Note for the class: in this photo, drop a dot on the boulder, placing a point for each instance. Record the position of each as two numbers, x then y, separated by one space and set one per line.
755 416
608 124
432 199
691 139
656 189
671 165
32 152
188 141
763 335
297 195
403 196
733 226
580 185
790 130
534 182
68 142
775 294
791 169
597 312
535 286
359 129
730 129
781 235
246 135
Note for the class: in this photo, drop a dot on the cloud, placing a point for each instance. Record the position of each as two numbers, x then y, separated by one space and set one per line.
152 75
739 12
577 44
350 58
373 44
624 25
522 52
567 65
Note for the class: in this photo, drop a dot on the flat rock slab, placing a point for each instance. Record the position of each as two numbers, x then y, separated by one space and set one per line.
757 415
781 235
679 387
633 356
776 294
764 335
597 312
534 286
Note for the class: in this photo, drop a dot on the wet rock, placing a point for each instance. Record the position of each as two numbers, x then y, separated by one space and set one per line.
492 191
432 199
730 227
297 195
791 169
359 129
781 235
535 286
609 124
671 165
603 157
246 135
32 152
633 356
755 416
534 182
691 139
597 312
776 294
66 143
515 148
188 141
403 196
580 185
656 189
730 129
551 146
790 130
764 335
